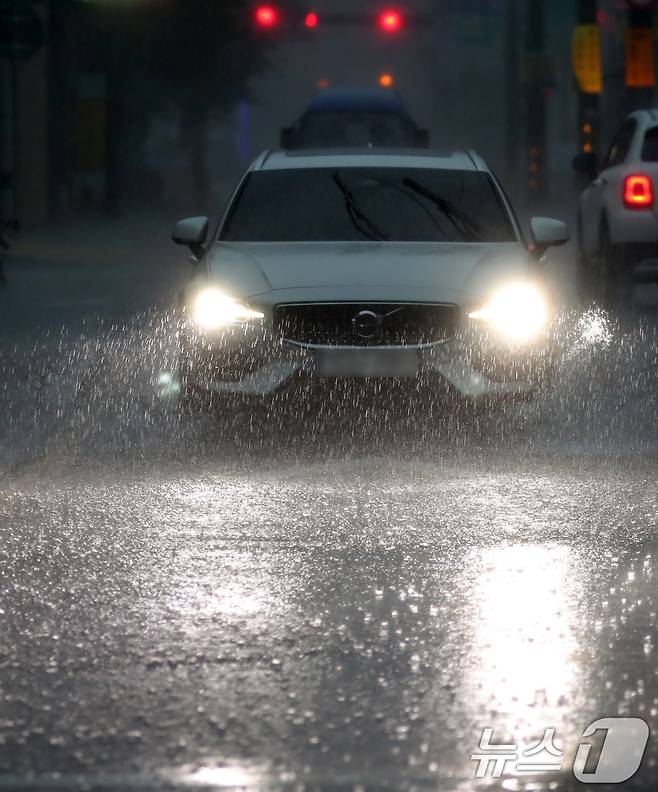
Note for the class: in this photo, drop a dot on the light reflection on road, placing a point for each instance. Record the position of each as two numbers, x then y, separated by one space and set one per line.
524 638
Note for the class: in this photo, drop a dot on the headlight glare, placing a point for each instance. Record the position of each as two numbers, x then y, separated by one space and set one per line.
518 311
212 309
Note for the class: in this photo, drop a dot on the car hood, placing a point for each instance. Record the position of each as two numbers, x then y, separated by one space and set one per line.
270 273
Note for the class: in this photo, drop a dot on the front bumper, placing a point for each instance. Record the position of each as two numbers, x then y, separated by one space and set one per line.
253 363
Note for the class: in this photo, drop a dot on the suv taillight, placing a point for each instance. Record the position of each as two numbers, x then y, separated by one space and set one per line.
638 192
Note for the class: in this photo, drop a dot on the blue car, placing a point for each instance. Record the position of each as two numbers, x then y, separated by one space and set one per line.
355 118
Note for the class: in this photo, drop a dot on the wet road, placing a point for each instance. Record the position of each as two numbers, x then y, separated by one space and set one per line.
339 594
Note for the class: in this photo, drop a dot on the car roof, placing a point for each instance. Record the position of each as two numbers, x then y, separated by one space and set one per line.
377 99
369 157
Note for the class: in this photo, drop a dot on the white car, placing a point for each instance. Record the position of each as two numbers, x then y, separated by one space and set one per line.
618 214
365 264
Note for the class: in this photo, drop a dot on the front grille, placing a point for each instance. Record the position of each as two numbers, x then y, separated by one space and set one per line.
366 324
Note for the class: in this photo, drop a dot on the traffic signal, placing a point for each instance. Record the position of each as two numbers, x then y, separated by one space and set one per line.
386 80
267 17
588 146
285 16
590 132
390 20
311 20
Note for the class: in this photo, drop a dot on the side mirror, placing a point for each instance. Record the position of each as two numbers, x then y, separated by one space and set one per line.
587 164
423 138
192 231
287 138
546 233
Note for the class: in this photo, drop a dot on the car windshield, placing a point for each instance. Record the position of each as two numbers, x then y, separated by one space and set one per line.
355 128
373 204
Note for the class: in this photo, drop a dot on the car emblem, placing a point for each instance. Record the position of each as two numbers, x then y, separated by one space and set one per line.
366 324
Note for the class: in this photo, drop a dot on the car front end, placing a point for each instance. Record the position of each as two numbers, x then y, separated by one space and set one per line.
367 266
259 345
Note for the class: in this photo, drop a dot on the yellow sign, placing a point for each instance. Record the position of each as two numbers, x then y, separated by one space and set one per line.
586 57
640 64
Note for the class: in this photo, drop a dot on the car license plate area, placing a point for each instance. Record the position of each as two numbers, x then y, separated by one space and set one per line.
366 362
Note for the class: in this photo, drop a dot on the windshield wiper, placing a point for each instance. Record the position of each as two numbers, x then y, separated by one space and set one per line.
359 220
462 222
410 195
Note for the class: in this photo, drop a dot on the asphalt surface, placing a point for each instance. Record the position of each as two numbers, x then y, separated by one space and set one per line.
328 593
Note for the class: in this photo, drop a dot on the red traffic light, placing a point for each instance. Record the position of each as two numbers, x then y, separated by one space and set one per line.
311 20
390 20
266 16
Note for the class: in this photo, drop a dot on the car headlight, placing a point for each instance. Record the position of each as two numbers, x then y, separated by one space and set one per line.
518 311
212 309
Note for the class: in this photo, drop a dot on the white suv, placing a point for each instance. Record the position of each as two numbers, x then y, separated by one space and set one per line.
618 213
370 265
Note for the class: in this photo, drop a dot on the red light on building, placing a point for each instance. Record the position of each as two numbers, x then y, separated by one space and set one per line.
638 192
386 80
266 16
390 20
311 20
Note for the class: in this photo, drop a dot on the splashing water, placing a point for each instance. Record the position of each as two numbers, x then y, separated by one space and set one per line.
115 395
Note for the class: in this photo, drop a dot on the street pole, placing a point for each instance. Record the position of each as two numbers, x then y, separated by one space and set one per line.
536 102
14 120
6 140
589 113
9 60
512 93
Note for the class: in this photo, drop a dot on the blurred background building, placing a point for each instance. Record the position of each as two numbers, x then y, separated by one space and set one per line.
111 104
